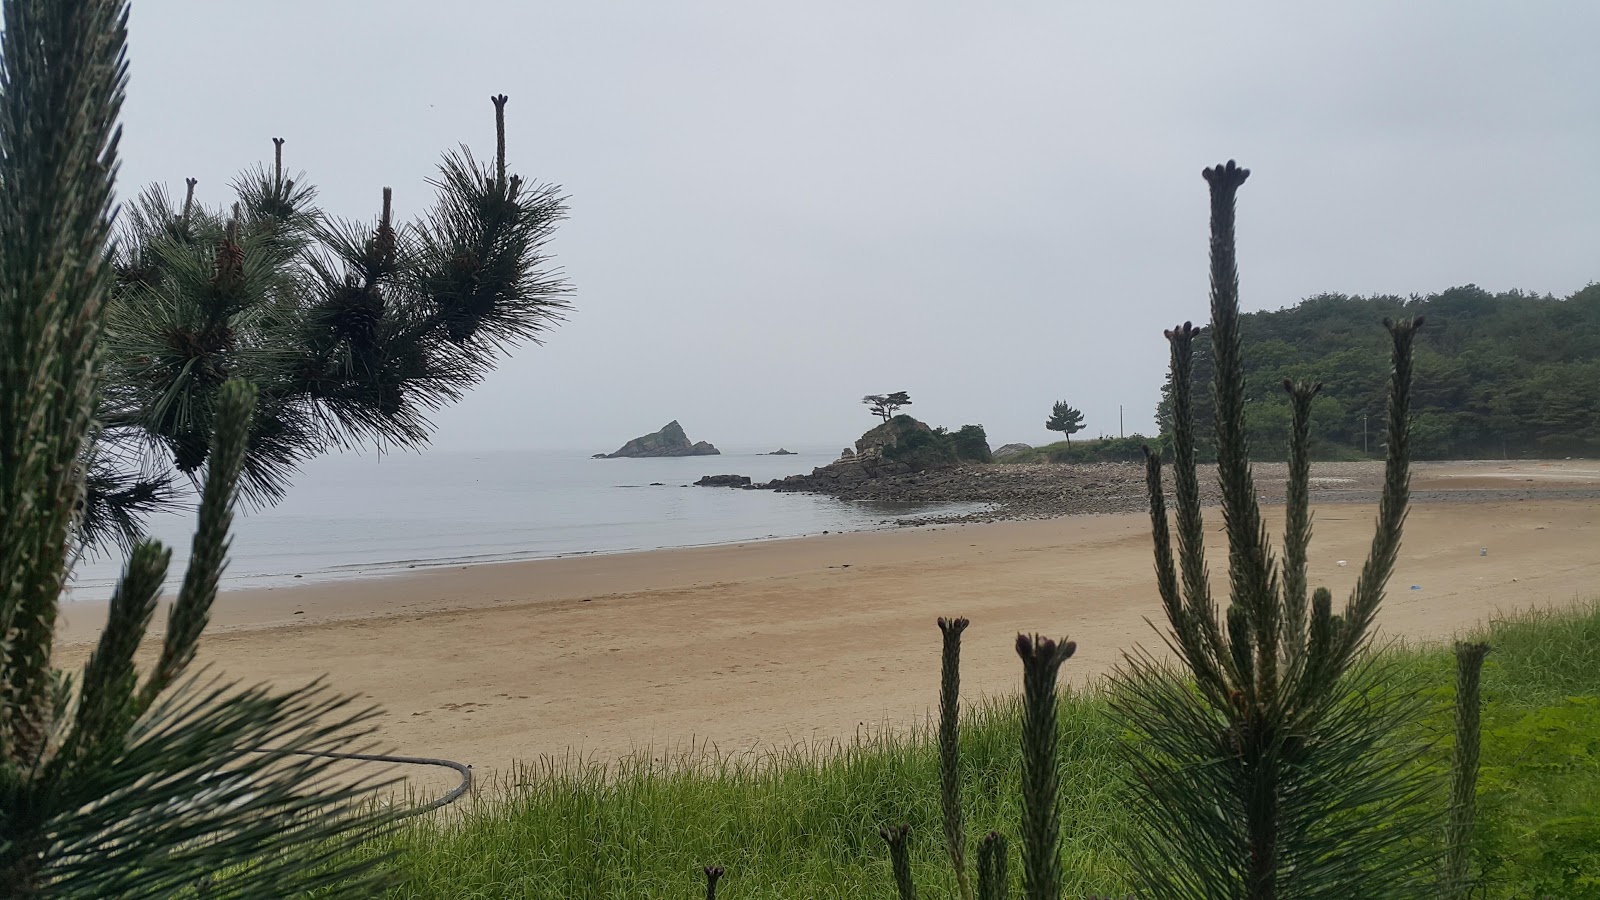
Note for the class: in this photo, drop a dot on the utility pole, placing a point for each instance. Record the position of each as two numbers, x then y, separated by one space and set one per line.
1120 432
1363 434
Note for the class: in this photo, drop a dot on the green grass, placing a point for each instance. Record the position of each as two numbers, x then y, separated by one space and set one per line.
803 824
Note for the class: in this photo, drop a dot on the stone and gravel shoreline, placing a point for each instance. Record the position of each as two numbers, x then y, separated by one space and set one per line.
1047 490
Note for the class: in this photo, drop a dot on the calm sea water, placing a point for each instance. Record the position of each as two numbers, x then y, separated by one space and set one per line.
366 515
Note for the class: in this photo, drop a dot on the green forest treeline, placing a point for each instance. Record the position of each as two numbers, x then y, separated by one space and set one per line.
1497 375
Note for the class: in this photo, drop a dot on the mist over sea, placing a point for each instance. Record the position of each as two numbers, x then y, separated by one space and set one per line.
353 516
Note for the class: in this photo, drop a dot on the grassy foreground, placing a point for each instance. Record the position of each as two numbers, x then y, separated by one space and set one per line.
803 824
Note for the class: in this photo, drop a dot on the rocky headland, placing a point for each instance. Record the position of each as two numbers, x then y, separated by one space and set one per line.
1047 490
669 441
904 461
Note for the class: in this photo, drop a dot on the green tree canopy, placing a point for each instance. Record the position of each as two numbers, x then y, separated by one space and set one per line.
1508 374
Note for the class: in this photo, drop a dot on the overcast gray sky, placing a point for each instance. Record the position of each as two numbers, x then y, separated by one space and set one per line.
778 208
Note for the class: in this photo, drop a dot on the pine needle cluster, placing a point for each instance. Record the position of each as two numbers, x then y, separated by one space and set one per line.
352 332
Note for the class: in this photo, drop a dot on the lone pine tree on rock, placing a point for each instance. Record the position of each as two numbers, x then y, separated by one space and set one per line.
884 405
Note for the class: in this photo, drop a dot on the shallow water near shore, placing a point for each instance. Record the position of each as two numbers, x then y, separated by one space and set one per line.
354 516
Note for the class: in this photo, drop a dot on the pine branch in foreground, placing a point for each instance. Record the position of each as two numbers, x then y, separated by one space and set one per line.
955 832
353 333
1464 770
1274 762
713 875
186 785
898 840
1041 818
993 881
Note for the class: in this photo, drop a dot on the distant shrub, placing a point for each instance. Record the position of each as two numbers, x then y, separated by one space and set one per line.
972 444
922 448
1127 449
1106 449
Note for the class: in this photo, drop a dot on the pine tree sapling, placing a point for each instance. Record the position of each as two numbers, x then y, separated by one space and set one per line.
113 784
1464 770
1275 765
993 883
713 875
1041 818
898 840
1065 419
955 833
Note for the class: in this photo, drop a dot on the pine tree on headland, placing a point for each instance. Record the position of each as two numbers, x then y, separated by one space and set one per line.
352 332
884 405
1065 419
116 783
1276 764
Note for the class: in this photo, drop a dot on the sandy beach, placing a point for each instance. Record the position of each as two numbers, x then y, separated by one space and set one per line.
752 645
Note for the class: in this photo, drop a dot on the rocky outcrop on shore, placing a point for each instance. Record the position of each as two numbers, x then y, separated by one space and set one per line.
1022 491
669 441
844 474
1010 450
898 447
900 431
1047 490
733 481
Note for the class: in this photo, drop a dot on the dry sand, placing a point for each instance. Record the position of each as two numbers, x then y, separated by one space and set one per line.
773 643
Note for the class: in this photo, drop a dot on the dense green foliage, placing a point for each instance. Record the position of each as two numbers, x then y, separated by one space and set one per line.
1106 449
929 448
971 444
804 823
1509 374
